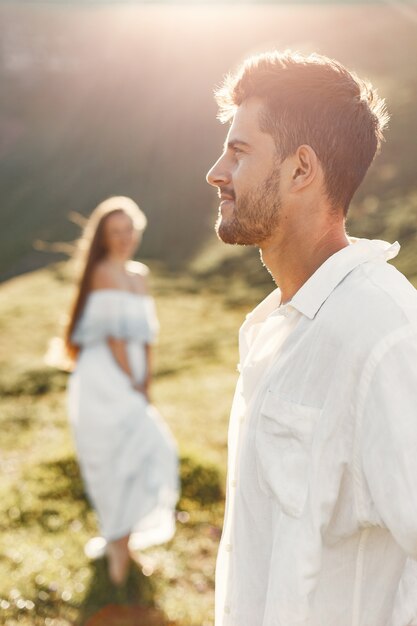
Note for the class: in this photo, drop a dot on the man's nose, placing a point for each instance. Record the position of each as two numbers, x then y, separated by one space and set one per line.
218 176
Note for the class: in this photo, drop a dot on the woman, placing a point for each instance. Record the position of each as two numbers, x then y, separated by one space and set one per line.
127 455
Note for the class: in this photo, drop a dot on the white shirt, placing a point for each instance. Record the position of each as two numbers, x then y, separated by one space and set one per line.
321 509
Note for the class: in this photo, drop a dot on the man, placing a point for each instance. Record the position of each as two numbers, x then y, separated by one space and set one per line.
321 515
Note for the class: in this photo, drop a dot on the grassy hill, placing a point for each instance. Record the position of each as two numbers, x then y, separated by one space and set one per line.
93 103
45 519
107 99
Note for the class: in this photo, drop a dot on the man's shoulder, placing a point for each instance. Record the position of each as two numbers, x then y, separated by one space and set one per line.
380 285
373 298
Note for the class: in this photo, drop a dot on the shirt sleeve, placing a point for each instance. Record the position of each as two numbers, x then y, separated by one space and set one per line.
388 439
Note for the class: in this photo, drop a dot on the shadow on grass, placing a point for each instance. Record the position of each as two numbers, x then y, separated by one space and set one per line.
53 505
130 605
36 382
133 604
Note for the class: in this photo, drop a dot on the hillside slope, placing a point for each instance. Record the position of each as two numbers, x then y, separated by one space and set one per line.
100 100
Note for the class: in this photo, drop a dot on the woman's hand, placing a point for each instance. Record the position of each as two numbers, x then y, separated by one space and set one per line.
143 388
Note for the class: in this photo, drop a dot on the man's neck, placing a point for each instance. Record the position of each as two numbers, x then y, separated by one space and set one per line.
293 261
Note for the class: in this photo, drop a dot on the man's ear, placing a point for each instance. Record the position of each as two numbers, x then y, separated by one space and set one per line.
305 166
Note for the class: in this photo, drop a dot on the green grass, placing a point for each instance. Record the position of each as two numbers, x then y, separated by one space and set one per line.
45 518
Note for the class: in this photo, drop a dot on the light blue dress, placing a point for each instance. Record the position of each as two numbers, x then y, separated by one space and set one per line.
127 455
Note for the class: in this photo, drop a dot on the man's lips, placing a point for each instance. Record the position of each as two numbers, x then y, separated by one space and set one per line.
226 199
225 193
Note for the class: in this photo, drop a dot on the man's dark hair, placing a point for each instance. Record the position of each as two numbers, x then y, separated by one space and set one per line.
316 101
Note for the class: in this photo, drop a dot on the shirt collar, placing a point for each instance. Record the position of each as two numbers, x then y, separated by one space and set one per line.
315 291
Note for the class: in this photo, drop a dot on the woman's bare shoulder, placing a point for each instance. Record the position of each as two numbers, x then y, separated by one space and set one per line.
140 275
104 277
138 268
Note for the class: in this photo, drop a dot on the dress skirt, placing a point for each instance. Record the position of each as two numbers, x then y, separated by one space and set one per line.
127 455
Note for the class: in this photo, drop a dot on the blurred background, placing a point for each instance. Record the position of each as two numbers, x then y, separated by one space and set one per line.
116 98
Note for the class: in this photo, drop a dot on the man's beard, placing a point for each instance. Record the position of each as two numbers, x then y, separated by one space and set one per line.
255 216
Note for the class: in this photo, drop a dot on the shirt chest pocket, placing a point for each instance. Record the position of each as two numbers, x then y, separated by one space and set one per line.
283 443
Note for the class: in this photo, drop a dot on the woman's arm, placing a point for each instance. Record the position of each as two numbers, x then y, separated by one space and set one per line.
118 348
140 274
148 371
103 278
144 386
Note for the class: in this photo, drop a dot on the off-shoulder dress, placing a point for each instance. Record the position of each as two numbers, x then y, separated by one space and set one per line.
127 455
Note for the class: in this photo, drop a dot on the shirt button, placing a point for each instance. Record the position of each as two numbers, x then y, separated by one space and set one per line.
233 483
241 419
227 610
228 547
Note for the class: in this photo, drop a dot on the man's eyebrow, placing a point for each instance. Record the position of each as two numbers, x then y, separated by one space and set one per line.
234 142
